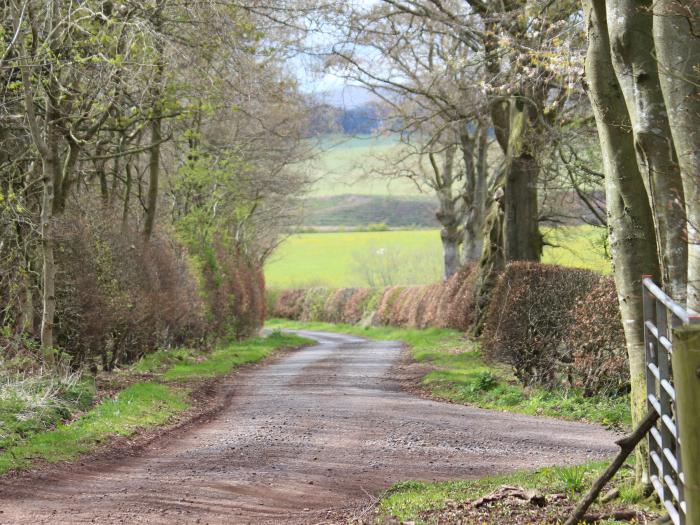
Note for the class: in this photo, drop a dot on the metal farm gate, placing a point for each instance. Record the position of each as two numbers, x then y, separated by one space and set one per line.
661 316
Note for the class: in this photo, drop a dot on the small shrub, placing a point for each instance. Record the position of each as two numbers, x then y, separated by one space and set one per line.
234 291
271 297
530 314
415 306
399 314
458 309
117 296
377 227
597 360
483 382
427 316
573 478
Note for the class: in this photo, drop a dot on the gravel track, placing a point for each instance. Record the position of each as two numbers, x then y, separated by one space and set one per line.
308 438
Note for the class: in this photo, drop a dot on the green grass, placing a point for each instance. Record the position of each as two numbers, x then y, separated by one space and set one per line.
405 501
161 360
33 404
350 165
359 212
338 259
461 375
225 358
143 404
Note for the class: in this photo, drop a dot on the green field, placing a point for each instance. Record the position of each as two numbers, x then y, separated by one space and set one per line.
337 259
352 165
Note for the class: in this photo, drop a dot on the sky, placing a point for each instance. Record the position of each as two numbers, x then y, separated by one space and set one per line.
326 86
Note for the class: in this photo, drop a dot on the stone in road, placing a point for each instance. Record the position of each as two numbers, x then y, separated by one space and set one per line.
310 434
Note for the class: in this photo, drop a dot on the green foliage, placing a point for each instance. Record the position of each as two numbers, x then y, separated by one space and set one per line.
572 477
406 500
314 303
484 381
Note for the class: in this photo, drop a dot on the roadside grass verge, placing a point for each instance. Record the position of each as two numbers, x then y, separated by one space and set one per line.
462 375
443 502
141 405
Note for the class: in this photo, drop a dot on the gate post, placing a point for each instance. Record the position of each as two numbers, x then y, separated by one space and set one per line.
686 378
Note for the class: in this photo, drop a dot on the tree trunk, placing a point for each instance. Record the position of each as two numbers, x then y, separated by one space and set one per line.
48 288
447 214
632 52
25 323
450 251
153 175
522 239
63 178
676 28
474 224
492 261
101 175
156 123
630 223
127 195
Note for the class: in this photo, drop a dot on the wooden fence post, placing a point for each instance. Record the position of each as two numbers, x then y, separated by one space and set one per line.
686 378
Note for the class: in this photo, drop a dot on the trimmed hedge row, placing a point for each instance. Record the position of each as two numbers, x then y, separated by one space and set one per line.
445 304
553 325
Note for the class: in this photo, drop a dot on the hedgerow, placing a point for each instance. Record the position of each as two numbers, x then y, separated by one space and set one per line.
553 325
529 317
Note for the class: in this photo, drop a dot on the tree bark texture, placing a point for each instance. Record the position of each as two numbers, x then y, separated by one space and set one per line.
676 27
492 261
476 192
447 214
630 223
632 52
48 289
522 239
156 124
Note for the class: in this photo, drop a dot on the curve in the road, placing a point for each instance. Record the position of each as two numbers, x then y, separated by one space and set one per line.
319 430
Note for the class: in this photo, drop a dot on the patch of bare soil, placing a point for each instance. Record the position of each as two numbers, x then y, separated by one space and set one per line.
516 505
312 437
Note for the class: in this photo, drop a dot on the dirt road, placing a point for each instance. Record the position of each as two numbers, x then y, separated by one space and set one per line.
307 436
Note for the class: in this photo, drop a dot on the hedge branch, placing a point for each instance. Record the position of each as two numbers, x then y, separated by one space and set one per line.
627 444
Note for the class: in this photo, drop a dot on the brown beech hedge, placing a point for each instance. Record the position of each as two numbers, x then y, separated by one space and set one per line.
552 325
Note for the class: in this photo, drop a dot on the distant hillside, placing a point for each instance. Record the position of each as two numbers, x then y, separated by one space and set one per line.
363 210
328 119
349 165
